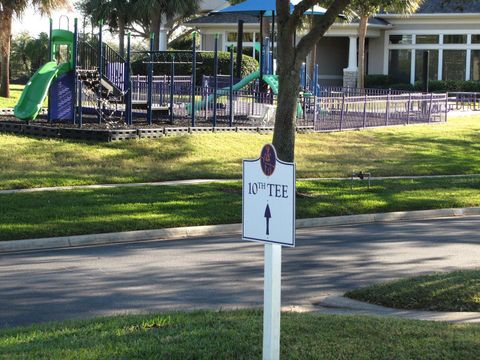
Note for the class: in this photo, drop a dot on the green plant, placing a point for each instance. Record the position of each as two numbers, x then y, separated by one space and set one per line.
377 81
205 67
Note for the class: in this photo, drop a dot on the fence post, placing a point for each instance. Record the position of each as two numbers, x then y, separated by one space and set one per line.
430 108
365 111
387 112
409 105
172 88
128 84
446 107
150 81
80 107
231 89
342 113
215 80
194 74
100 71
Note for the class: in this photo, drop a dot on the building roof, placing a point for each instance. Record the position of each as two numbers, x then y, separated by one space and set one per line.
449 7
224 18
232 18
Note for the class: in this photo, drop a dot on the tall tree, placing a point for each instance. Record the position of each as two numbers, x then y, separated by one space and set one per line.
157 13
7 9
290 56
367 8
117 14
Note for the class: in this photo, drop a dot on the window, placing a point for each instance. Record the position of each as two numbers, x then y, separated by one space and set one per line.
476 39
432 63
454 39
247 37
454 64
399 66
400 39
427 39
475 65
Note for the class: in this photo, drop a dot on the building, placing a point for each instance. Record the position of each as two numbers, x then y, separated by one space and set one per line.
450 31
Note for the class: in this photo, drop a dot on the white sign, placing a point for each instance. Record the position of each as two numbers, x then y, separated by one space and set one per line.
269 199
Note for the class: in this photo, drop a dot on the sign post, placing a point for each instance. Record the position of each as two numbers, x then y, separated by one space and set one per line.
268 215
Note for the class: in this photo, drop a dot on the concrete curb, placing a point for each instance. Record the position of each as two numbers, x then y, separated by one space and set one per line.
344 304
218 230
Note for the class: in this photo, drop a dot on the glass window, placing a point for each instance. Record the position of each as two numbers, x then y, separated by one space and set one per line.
475 39
400 39
475 65
247 37
427 39
399 66
454 39
454 64
432 64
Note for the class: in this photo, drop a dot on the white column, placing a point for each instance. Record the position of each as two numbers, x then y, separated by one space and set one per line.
468 64
440 59
162 40
352 54
413 64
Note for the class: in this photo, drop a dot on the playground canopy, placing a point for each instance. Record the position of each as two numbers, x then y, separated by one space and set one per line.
267 7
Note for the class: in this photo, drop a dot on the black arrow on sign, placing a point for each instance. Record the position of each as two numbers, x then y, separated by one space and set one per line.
268 215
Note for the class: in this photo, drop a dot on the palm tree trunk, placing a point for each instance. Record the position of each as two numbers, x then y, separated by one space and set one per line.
121 36
155 28
362 34
5 35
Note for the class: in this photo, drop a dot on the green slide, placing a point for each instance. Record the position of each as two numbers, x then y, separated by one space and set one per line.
271 80
36 91
225 91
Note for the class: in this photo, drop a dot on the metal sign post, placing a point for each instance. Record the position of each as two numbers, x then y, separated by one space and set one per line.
269 217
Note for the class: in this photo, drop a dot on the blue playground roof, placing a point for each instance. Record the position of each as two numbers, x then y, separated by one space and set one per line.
267 6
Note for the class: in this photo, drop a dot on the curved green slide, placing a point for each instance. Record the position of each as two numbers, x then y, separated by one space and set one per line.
36 90
271 80
225 91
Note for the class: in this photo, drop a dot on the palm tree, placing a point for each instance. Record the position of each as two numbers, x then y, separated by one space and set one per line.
366 8
158 12
7 9
117 14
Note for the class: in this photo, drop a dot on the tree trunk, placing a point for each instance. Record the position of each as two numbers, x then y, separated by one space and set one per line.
121 36
155 29
289 84
5 35
362 34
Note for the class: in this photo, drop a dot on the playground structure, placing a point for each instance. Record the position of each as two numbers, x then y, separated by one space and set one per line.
87 79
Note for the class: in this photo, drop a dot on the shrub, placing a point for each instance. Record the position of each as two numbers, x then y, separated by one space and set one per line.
405 87
377 81
206 66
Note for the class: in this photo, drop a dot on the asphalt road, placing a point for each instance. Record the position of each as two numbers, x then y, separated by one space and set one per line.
224 272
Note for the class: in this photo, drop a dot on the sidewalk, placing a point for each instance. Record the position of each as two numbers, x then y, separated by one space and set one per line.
336 304
206 181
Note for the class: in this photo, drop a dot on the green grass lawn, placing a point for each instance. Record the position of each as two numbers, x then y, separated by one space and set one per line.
238 335
61 213
452 148
455 291
15 92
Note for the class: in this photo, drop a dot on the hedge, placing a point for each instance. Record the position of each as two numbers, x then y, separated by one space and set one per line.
249 65
437 86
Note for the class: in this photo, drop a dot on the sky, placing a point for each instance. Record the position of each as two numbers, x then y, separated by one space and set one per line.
32 22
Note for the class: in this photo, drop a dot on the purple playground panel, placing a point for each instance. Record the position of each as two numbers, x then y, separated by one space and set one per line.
62 97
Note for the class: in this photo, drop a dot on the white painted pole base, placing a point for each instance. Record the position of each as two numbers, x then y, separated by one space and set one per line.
272 301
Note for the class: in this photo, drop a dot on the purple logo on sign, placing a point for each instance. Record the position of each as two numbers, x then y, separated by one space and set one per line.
268 160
